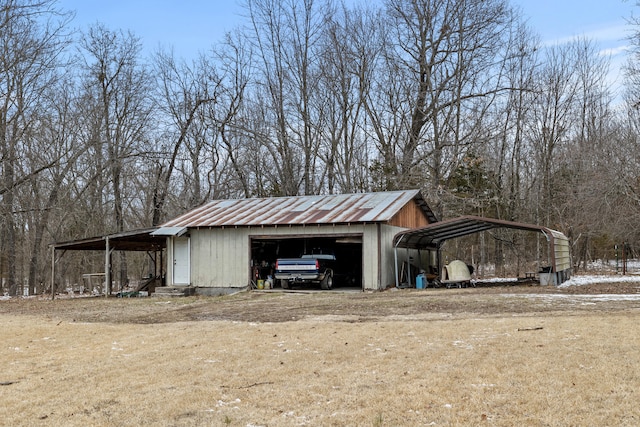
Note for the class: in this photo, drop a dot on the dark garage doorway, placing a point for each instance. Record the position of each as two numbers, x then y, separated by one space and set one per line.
265 250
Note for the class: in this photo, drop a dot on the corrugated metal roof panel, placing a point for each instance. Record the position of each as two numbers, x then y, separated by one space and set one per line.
298 210
169 231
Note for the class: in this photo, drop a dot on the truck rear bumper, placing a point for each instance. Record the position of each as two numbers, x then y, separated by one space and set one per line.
298 277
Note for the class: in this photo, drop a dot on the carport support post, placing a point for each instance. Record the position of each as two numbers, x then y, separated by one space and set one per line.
408 267
395 255
107 268
53 272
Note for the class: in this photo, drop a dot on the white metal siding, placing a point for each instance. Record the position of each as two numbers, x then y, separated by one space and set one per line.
562 253
370 261
220 256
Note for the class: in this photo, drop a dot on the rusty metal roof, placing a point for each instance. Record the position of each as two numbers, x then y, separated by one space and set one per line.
302 210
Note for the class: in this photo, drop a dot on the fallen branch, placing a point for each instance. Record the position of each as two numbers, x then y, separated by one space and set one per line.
537 328
250 385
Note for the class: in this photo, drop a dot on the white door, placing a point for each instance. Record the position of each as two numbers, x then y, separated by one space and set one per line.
181 261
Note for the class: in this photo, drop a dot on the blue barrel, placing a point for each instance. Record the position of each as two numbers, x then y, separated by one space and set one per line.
421 279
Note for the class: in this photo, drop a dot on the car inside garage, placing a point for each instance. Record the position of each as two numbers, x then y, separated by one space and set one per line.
347 249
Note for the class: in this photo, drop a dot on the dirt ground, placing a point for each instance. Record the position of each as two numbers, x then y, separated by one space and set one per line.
277 306
499 355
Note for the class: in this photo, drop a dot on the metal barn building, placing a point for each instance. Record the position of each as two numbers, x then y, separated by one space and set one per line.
379 240
226 245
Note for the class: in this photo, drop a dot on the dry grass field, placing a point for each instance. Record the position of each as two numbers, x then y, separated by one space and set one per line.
502 356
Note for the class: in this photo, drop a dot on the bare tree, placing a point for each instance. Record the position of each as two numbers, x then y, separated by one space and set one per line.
229 135
287 40
445 57
32 39
552 124
184 92
588 155
508 153
350 46
119 86
55 141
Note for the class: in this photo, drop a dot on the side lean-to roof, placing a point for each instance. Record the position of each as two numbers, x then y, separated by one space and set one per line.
302 210
133 240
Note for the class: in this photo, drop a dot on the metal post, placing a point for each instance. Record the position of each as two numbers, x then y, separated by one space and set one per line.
161 269
438 261
53 272
408 268
395 256
107 268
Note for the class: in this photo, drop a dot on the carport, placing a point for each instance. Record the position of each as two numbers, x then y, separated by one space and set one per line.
135 240
432 236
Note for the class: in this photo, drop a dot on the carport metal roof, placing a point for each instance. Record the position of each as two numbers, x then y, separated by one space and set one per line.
134 240
433 235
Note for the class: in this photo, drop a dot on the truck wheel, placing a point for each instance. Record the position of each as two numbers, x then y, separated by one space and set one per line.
327 282
284 284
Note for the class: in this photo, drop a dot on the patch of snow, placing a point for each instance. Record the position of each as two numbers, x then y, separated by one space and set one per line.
221 403
613 264
595 279
497 279
462 344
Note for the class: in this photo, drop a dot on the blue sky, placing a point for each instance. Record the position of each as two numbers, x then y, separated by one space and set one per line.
603 21
189 26
192 26
559 20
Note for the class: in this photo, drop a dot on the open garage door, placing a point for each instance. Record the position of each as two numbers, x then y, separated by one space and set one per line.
265 250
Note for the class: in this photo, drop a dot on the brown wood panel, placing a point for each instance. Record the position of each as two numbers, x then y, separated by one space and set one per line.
410 216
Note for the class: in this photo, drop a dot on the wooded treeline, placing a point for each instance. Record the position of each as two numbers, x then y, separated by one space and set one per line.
458 98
